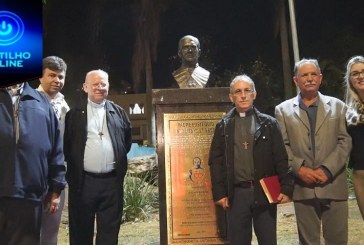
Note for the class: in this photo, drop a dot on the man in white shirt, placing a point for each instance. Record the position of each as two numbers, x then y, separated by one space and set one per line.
97 139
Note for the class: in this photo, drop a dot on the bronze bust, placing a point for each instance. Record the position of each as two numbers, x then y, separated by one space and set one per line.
190 74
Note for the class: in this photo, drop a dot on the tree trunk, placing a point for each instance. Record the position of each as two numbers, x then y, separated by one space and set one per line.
147 21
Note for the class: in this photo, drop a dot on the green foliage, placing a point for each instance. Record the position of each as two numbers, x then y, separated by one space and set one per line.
140 198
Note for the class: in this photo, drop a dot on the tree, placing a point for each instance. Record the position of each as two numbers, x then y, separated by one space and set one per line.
147 26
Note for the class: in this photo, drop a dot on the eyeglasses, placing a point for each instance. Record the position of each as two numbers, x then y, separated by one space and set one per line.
99 85
356 74
189 47
240 92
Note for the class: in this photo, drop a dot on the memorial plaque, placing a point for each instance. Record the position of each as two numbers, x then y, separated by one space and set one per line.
191 214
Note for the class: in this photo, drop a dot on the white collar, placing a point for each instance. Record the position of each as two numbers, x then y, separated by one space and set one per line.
95 105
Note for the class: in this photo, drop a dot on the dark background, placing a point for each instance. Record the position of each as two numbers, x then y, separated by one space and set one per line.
236 36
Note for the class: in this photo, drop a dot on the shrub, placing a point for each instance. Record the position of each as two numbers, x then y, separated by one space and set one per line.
140 198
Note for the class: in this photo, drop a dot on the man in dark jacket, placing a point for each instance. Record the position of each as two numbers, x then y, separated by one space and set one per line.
32 163
51 83
247 146
97 139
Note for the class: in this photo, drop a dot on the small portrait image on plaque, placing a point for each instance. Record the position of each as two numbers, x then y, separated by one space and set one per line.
197 173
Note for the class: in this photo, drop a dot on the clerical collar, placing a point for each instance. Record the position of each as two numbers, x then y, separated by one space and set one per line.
95 105
246 114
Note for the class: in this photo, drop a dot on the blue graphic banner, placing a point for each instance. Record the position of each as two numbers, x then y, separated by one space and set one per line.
21 41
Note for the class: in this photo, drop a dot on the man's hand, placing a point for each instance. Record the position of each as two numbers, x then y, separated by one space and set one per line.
223 202
322 177
283 198
51 202
309 175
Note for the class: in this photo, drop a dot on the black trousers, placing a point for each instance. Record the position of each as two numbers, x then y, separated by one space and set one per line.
100 198
20 221
243 215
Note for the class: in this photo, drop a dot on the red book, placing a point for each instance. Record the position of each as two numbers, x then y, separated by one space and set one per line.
271 188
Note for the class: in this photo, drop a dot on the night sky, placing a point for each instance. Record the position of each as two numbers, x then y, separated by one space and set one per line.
233 34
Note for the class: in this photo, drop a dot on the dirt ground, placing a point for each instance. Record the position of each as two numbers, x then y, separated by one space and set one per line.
147 233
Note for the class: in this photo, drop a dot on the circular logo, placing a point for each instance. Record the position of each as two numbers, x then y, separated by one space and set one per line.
11 28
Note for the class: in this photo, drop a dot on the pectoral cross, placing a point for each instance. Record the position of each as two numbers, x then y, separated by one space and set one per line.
245 145
100 134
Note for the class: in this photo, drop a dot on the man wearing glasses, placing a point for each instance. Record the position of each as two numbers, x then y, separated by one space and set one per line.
97 139
247 146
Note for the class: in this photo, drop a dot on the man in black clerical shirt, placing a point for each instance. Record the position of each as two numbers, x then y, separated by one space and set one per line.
247 146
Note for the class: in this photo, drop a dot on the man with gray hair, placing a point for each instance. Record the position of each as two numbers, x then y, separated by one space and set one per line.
190 74
96 142
314 132
247 146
